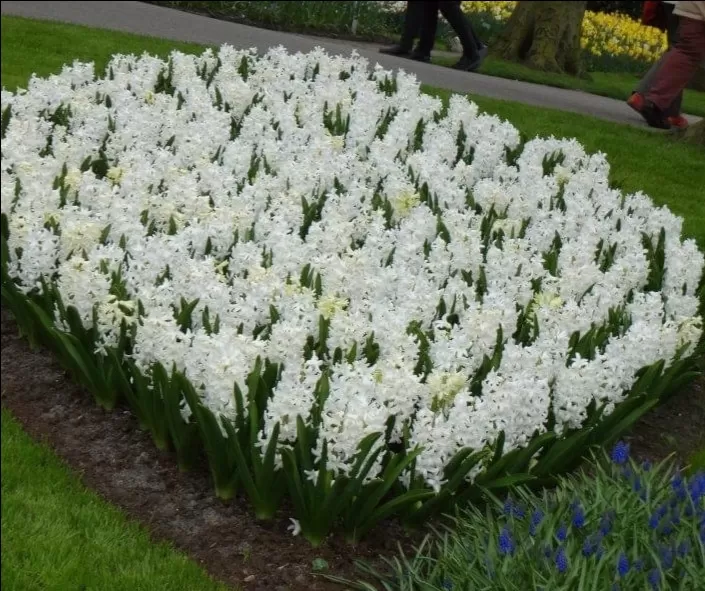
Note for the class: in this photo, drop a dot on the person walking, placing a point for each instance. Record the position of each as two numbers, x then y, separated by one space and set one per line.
422 19
678 66
661 16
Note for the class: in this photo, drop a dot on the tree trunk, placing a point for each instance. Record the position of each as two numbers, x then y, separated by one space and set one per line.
543 35
695 134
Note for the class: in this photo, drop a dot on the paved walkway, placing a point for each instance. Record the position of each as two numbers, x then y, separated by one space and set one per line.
148 19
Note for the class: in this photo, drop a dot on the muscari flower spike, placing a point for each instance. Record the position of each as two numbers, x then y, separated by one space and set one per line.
578 517
506 543
605 524
623 565
562 532
508 505
536 517
589 546
561 561
620 453
696 487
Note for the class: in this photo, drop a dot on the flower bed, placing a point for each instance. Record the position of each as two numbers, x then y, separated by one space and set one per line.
344 290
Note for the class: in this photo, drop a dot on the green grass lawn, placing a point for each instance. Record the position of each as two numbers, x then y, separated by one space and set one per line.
58 535
611 84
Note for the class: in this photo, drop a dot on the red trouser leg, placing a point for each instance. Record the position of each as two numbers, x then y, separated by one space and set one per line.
680 63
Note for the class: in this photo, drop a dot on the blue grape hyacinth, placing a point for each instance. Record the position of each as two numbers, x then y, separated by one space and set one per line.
654 578
620 453
506 543
623 565
562 532
561 561
536 519
578 517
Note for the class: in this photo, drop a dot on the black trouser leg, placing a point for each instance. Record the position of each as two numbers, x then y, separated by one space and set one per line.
475 36
454 15
429 25
412 24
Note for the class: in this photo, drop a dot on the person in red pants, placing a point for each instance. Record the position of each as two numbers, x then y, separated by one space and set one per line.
678 66
659 15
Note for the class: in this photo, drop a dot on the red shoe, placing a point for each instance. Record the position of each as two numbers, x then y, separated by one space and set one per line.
636 102
650 112
678 122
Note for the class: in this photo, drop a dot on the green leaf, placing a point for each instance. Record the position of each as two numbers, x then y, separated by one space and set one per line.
508 481
140 397
447 496
523 458
352 354
183 435
389 477
499 447
220 454
455 462
302 445
268 463
345 489
296 490
6 116
390 507
241 463
562 453
622 426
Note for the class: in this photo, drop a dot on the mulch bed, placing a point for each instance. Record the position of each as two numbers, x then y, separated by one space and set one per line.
122 464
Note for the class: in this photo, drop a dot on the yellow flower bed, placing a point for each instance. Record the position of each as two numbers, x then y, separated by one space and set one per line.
616 35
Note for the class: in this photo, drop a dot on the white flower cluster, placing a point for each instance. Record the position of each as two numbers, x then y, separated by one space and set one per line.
284 195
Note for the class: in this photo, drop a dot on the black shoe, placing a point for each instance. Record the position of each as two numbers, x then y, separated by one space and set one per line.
468 64
420 57
396 50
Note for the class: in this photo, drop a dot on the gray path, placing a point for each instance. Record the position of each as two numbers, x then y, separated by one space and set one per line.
148 19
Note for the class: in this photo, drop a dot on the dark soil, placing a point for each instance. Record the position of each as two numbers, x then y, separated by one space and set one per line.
676 427
123 465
